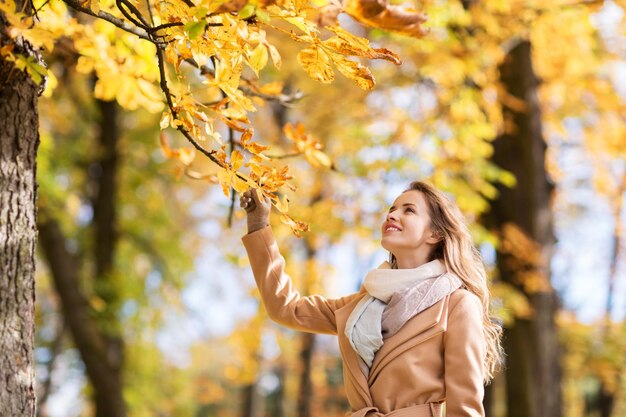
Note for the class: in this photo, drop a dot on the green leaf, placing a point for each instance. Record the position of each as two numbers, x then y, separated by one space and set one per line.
201 12
263 16
247 11
36 71
195 28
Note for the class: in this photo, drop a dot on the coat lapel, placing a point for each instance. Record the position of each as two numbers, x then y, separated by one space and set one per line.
415 331
350 356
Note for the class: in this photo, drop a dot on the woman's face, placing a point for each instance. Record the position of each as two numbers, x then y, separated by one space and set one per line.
406 229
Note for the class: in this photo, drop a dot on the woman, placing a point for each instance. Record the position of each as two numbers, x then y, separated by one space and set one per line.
418 334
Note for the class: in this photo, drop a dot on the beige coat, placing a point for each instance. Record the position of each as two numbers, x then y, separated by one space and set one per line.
435 357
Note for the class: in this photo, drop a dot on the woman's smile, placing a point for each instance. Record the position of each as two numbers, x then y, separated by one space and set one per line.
392 227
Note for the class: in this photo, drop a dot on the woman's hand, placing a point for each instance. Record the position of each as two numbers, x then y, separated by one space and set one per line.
257 209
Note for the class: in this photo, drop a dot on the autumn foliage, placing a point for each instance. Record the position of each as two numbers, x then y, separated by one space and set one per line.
202 60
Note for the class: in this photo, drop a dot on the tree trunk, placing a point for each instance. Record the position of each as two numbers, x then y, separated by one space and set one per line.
104 177
101 350
19 139
88 340
522 218
250 400
305 390
488 400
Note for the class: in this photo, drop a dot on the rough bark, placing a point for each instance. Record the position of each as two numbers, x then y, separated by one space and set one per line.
19 139
533 372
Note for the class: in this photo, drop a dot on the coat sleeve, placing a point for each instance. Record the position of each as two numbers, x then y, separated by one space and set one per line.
282 301
464 349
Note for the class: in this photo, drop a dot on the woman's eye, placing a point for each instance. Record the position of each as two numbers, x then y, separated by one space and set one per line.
410 210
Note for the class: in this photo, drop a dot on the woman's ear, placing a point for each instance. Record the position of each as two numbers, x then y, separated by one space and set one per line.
434 237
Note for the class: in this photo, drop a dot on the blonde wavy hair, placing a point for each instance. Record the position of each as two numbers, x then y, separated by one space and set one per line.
461 257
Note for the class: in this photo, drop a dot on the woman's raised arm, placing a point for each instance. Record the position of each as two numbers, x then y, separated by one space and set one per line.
283 302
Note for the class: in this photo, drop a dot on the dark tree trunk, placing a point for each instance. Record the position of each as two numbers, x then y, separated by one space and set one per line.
606 398
250 399
488 400
87 338
104 177
19 139
533 372
606 401
101 350
305 390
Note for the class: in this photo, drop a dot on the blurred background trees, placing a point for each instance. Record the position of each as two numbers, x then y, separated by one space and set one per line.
146 306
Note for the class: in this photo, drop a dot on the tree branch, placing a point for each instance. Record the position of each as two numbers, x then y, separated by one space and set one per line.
287 155
231 210
140 32
142 22
283 99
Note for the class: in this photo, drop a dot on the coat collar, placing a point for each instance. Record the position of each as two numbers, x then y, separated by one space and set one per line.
412 333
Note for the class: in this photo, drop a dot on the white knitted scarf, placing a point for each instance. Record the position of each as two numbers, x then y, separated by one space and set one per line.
393 297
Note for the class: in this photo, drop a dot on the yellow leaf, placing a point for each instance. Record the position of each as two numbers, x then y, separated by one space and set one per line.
355 71
224 177
186 156
317 158
239 185
236 160
165 148
258 58
282 204
275 56
296 226
165 120
272 89
316 63
346 43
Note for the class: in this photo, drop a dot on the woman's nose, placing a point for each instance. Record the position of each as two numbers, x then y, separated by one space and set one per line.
391 216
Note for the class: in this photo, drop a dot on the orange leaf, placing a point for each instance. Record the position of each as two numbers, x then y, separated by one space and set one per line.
355 71
296 225
316 63
380 14
184 155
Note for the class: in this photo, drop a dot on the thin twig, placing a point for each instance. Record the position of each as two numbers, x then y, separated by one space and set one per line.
204 70
287 155
141 33
41 7
120 6
284 99
170 104
149 7
165 26
231 210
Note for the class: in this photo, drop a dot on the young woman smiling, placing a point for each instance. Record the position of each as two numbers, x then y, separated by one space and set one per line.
418 335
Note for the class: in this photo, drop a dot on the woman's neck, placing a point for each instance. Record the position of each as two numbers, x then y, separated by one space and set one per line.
411 262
